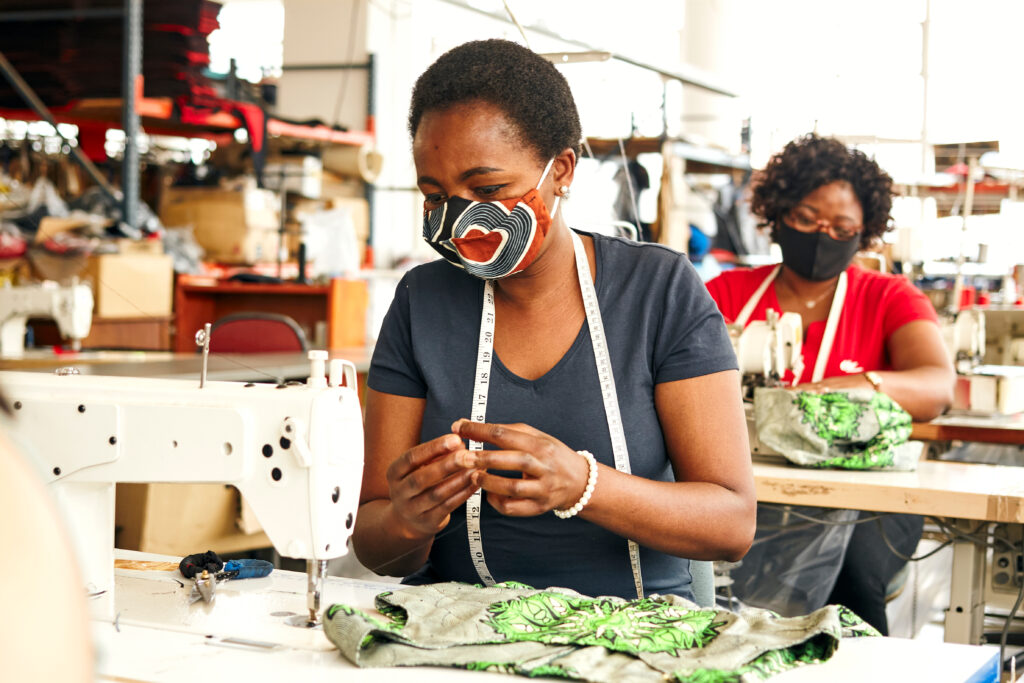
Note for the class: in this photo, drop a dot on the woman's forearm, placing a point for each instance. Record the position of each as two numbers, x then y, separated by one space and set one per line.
697 520
382 545
925 392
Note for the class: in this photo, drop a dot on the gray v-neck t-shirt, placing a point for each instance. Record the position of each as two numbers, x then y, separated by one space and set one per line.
661 325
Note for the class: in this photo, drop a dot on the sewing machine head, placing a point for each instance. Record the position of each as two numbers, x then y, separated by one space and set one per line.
1004 334
295 451
70 306
964 336
73 312
767 349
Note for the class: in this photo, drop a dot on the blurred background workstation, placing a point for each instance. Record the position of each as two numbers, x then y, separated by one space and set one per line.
206 207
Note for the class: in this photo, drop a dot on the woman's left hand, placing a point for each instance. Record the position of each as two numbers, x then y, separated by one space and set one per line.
554 476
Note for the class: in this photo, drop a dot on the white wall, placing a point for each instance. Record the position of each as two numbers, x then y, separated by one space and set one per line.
798 64
324 32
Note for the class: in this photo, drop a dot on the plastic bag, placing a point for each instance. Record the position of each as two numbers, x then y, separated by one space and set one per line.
855 429
44 194
793 564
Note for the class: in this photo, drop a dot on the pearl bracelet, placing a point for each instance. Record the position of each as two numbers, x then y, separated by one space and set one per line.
585 498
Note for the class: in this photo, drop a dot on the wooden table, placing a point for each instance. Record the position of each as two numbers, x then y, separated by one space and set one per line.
992 493
1002 429
339 305
964 493
159 637
150 333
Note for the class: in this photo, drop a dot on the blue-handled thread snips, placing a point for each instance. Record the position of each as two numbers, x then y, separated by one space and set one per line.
207 570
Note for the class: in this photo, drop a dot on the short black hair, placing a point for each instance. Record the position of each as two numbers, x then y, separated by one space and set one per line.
807 163
528 88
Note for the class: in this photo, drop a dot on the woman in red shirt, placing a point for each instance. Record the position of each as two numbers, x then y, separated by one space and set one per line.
862 329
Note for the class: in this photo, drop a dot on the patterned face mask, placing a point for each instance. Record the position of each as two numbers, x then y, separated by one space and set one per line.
490 240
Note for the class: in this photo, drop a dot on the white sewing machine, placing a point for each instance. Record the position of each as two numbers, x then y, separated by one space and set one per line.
295 452
964 336
69 305
1004 333
765 351
987 349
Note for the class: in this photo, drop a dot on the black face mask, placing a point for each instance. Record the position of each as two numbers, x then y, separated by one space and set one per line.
815 255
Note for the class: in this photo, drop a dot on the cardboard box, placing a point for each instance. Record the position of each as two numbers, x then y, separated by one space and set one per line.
992 389
131 285
147 246
51 226
180 519
299 173
347 300
233 226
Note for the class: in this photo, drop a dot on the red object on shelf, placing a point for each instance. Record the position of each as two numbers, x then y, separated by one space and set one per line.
322 133
210 117
984 299
967 297
960 169
979 188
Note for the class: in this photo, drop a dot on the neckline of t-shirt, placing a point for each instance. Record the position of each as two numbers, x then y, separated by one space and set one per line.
546 377
814 323
572 350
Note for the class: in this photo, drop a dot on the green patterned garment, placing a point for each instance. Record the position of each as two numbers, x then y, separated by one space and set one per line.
512 628
856 429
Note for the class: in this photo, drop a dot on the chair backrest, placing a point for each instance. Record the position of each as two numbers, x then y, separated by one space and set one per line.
256 332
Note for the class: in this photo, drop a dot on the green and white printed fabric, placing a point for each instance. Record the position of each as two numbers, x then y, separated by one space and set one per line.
512 628
855 429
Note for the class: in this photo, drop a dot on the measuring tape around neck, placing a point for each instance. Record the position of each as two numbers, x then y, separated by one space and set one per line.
481 384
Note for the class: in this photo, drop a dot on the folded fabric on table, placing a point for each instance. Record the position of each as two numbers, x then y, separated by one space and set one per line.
513 628
853 429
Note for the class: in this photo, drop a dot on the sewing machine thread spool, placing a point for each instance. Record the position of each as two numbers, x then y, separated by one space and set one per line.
318 369
335 372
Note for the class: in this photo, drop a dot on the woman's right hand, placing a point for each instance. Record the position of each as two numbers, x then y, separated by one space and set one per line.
426 483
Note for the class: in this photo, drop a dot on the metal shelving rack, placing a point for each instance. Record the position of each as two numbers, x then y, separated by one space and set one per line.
131 69
159 112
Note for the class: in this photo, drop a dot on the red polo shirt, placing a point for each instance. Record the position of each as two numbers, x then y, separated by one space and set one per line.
876 306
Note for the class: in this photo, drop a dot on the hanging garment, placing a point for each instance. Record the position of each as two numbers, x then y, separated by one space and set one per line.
512 628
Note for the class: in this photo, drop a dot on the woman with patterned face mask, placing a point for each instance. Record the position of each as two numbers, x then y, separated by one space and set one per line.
544 405
862 329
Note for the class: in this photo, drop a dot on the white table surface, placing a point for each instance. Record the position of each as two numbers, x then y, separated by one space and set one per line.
223 367
158 636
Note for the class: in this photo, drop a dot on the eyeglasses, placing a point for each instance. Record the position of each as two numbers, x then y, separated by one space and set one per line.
805 222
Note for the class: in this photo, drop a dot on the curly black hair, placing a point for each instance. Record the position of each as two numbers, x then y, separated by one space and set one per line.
809 162
528 88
